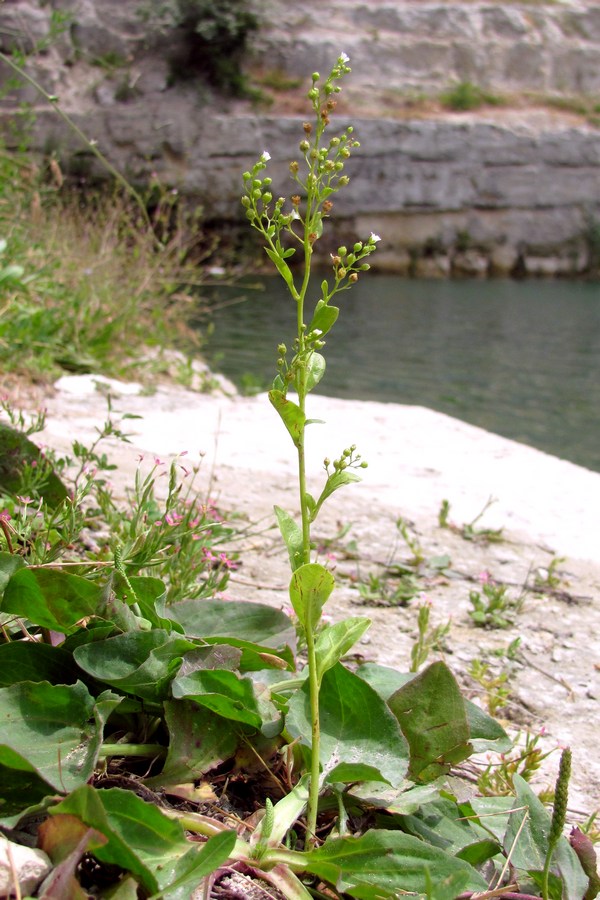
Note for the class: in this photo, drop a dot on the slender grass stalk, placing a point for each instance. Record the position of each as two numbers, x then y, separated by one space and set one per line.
90 144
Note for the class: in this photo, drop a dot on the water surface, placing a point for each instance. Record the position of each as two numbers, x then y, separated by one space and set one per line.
521 359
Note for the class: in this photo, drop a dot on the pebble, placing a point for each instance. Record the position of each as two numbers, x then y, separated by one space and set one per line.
30 867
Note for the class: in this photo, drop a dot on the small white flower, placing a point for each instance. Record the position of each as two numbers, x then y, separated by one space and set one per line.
374 238
265 156
294 215
344 57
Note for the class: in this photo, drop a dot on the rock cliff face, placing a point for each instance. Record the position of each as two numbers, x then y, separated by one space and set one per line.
467 193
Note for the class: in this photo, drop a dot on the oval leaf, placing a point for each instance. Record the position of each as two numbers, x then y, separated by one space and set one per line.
291 415
51 598
360 738
310 588
391 861
432 715
292 536
324 317
336 640
57 738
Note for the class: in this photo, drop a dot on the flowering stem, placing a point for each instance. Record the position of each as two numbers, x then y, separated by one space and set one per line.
324 167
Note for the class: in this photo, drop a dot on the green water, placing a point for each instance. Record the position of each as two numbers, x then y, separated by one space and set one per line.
521 359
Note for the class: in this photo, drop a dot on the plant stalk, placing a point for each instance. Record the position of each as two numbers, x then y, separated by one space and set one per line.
141 750
91 145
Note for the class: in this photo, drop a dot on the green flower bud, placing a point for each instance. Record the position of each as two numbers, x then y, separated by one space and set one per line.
344 180
267 197
246 202
342 251
281 349
357 247
246 176
304 146
365 267
267 181
315 76
313 94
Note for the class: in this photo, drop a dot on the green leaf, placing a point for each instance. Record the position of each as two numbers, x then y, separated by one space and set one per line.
400 801
431 713
494 812
199 740
221 691
141 663
32 661
142 840
15 451
51 598
485 733
336 480
391 862
282 267
47 729
530 844
310 588
292 536
442 822
9 564
360 738
21 792
253 627
335 641
291 415
315 371
324 317
199 861
151 595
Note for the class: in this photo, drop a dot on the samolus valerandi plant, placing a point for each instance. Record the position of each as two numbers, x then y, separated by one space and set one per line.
285 232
